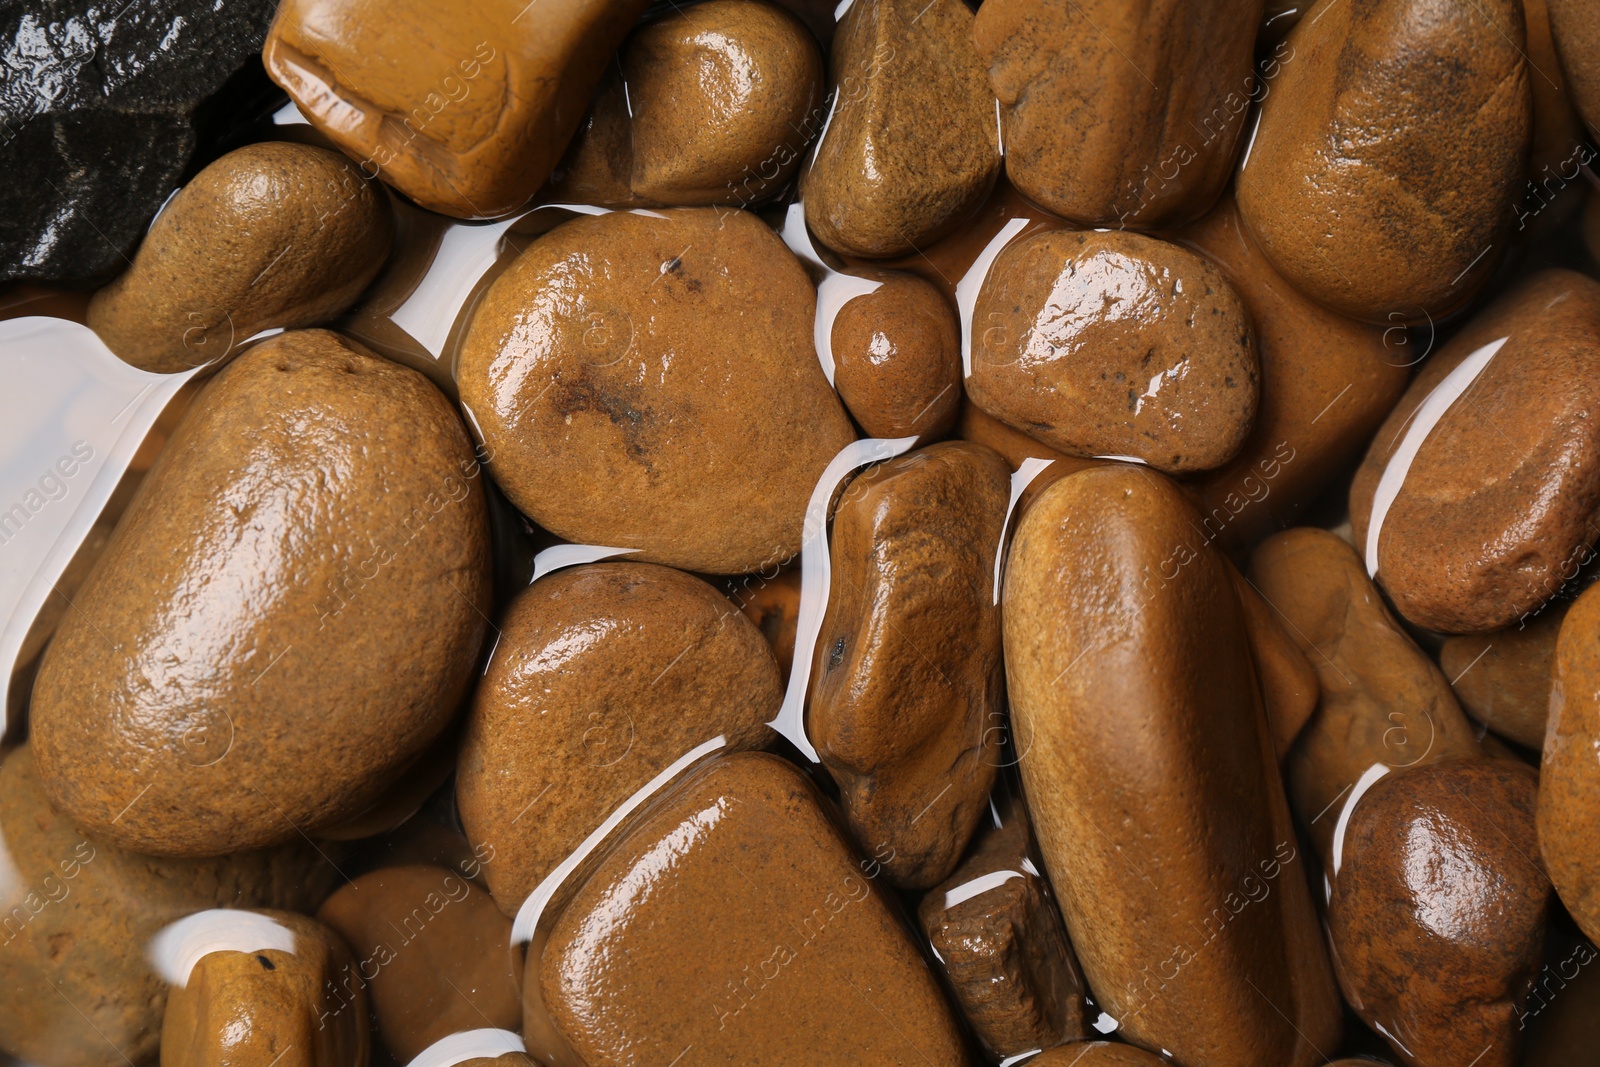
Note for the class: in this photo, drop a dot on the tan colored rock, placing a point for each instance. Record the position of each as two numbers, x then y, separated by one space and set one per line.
1326 384
464 108
997 933
604 675
669 400
434 952
1503 679
1438 913
1166 373
1557 129
721 100
908 677
76 916
272 234
1576 29
773 604
286 617
1129 670
897 359
753 936
1402 227
1498 510
1569 793
1383 699
912 144
1121 114
260 1008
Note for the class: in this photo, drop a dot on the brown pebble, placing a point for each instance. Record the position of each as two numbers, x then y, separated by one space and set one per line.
1164 371
1575 25
1119 114
1569 780
1557 130
272 234
260 1008
79 913
897 359
1326 384
1401 227
1141 730
1383 699
753 934
604 675
908 684
652 383
1503 679
720 100
1438 912
912 144
437 950
996 931
465 108
286 617
1498 509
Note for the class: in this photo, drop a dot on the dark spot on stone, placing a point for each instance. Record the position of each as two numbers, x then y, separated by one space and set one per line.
836 654
268 964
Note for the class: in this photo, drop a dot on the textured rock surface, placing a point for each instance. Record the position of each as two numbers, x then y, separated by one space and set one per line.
897 358
99 108
998 934
1503 679
908 679
1438 912
1569 777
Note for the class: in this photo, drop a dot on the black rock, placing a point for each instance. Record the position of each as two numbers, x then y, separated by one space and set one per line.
102 109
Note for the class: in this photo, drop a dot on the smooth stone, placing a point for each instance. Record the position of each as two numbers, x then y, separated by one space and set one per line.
104 109
1113 343
1503 679
897 358
1394 227
751 933
651 383
1383 700
1569 779
1326 384
720 92
306 1008
711 104
1575 25
79 914
276 234
1121 623
908 679
1004 950
605 674
435 954
465 108
1096 1054
1438 913
1119 114
1498 509
286 617
1557 129
912 143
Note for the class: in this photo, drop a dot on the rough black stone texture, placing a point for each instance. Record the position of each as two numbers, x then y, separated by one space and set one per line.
102 108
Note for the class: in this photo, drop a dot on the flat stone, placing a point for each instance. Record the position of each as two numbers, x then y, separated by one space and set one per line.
1503 679
102 111
751 933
